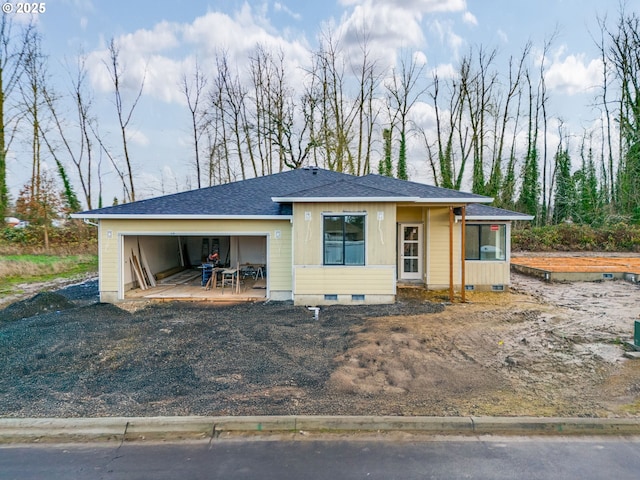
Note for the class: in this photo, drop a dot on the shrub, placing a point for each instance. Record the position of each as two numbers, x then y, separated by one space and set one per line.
74 238
618 237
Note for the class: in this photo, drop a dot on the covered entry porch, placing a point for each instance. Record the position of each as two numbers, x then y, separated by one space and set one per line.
436 250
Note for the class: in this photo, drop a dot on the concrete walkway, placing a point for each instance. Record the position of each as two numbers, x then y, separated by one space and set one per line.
119 429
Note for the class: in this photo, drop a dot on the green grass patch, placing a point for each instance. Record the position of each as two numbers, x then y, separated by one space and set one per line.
18 269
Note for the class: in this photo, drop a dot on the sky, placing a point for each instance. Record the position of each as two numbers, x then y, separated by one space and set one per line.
162 40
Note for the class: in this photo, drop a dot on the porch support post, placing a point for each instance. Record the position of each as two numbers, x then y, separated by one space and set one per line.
463 252
451 218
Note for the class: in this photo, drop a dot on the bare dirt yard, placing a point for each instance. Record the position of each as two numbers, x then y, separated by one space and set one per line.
540 349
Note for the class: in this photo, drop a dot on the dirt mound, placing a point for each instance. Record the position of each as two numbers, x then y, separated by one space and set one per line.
38 304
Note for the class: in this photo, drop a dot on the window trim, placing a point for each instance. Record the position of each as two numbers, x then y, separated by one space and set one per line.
343 215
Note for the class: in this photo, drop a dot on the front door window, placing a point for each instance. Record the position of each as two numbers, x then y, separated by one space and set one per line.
410 251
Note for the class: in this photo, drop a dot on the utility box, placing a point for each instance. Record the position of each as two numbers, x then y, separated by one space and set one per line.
636 334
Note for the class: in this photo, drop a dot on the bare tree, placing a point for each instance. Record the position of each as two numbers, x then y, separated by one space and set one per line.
124 113
402 94
508 119
230 100
334 110
13 50
608 169
193 90
217 120
81 151
543 100
529 199
282 122
623 57
441 155
95 130
368 79
32 89
478 93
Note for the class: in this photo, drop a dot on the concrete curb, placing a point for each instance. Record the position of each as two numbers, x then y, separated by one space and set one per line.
120 429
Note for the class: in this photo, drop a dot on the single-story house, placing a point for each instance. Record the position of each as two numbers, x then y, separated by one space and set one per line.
321 237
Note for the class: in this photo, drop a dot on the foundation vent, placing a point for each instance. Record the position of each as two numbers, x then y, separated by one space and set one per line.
469 288
607 276
497 288
331 297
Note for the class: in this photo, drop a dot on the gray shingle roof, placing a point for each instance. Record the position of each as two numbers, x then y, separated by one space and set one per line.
478 211
346 188
420 190
250 197
253 197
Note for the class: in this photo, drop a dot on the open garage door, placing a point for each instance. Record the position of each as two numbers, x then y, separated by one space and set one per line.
171 267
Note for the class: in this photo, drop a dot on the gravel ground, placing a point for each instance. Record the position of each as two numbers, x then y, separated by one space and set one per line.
66 355
541 349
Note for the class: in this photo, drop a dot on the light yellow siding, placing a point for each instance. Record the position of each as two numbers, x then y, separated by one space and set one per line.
410 214
344 280
483 273
114 260
438 252
375 280
380 233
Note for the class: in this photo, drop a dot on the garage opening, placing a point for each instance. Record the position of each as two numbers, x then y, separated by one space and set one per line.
177 268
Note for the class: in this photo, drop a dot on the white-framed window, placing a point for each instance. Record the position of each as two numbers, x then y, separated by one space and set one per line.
486 241
343 239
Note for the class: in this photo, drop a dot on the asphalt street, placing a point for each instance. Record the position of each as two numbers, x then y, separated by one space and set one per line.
549 458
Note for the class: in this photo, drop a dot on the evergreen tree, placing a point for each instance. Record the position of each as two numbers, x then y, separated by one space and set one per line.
40 202
385 167
402 158
565 192
530 192
588 197
70 197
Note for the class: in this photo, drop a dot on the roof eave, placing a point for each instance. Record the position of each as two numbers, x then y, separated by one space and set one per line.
140 216
496 218
456 201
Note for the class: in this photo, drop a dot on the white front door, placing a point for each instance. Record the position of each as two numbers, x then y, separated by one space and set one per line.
410 254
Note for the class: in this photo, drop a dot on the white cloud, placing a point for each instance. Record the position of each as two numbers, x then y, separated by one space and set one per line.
160 56
137 137
386 30
279 7
391 25
420 58
444 31
469 18
421 6
574 74
162 37
445 71
424 116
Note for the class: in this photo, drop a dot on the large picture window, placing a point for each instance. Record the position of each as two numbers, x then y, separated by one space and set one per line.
486 242
343 239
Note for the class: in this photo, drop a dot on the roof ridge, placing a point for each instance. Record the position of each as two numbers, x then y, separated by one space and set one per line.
351 179
374 176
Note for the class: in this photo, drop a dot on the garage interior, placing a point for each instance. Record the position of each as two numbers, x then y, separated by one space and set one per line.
166 267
